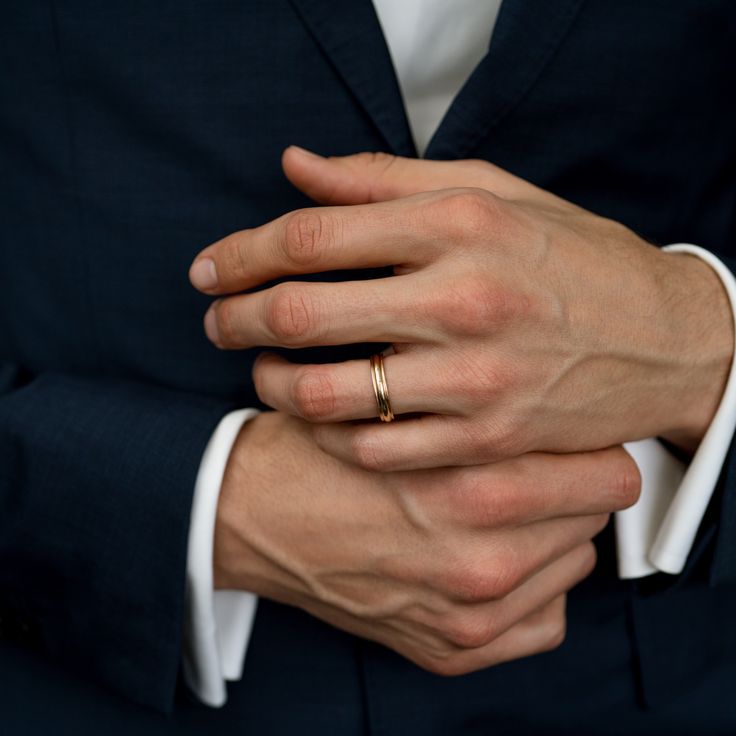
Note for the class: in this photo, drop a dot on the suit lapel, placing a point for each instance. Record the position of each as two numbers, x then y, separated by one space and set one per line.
526 35
350 35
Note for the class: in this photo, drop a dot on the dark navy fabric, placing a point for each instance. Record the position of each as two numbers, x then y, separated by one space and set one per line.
132 134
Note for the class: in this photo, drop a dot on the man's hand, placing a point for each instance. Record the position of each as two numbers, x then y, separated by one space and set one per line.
456 569
520 322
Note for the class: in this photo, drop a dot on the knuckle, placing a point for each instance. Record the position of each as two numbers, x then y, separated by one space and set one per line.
469 630
479 381
379 164
466 308
470 209
226 316
379 161
232 255
368 454
376 170
380 158
474 583
556 633
505 576
484 503
476 439
371 158
479 164
290 315
506 438
588 559
477 305
471 585
496 438
314 395
626 483
506 571
306 233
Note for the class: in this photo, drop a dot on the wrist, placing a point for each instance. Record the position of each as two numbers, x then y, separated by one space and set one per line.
263 463
243 474
701 331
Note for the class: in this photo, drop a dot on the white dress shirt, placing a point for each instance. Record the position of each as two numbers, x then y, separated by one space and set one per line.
435 45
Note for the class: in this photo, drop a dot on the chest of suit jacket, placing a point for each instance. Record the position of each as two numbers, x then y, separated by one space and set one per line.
139 132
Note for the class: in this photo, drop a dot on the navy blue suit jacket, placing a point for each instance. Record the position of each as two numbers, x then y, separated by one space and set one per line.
133 133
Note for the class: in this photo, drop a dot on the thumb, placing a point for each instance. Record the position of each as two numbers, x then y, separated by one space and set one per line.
369 177
376 177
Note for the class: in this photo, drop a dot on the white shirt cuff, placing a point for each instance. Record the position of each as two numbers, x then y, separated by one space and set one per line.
217 624
657 533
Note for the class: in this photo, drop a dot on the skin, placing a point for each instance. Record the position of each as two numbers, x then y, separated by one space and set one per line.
522 326
519 321
456 569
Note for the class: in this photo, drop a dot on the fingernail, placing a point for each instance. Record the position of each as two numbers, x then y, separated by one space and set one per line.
303 151
210 326
203 274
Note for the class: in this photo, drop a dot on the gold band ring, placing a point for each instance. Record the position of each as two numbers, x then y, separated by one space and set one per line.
380 388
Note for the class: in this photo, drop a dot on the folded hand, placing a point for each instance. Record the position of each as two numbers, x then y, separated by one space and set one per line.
455 568
519 321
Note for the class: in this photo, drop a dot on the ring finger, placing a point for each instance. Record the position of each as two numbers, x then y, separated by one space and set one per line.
343 391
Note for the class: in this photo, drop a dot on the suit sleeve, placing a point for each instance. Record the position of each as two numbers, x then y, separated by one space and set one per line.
723 525
96 484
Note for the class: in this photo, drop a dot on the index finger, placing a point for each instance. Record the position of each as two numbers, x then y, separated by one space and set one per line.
314 240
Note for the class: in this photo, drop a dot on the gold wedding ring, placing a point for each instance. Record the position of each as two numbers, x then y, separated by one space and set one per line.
380 388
